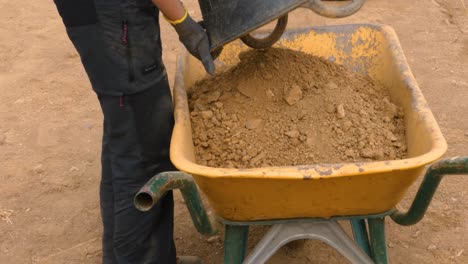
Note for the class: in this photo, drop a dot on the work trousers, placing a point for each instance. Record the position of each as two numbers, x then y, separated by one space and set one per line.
135 147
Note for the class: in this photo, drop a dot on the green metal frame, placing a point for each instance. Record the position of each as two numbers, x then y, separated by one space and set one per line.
368 230
235 243
155 188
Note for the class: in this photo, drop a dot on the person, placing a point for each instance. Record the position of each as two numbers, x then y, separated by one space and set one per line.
120 48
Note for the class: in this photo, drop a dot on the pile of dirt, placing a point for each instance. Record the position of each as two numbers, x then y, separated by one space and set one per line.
282 107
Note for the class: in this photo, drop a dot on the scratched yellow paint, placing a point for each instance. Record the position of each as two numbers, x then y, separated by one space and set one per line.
318 190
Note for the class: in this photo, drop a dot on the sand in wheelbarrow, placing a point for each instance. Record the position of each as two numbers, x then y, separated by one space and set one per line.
281 107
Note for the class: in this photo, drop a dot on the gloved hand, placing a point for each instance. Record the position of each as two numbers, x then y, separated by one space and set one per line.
195 40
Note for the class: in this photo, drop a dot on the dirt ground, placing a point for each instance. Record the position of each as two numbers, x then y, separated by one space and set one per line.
50 129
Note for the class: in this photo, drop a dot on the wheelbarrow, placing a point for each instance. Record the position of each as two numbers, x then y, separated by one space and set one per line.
226 21
307 201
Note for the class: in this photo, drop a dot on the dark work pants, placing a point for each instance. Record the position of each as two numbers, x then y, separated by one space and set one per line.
135 147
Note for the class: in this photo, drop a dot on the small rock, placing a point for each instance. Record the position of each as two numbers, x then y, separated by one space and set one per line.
310 141
292 133
218 105
267 76
432 247
349 153
204 144
74 168
330 108
253 123
269 93
390 136
361 145
39 169
293 95
367 153
391 245
378 154
316 90
302 114
252 152
215 121
340 112
227 124
258 158
207 156
347 125
295 142
332 86
206 114
213 239
197 105
390 110
203 136
405 245
386 119
213 97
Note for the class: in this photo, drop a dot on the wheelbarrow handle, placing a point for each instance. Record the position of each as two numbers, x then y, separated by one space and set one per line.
319 7
155 188
434 174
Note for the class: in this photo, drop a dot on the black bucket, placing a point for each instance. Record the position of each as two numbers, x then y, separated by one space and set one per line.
227 20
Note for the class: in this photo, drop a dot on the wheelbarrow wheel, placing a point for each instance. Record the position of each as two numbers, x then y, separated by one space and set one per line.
268 41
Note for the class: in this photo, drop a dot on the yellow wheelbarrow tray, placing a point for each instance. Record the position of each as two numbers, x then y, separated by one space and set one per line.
319 190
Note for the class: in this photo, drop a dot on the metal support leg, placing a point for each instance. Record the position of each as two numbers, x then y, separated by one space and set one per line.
235 243
329 232
360 234
377 240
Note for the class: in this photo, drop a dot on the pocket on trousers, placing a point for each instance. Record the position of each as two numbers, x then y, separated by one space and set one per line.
104 67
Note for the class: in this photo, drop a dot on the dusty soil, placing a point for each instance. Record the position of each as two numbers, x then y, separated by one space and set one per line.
50 133
282 107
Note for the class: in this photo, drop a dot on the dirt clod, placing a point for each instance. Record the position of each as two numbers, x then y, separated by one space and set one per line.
292 133
253 123
340 112
332 86
293 95
326 114
206 114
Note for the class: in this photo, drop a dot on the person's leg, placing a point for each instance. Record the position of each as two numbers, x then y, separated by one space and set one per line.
140 127
106 194
154 121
